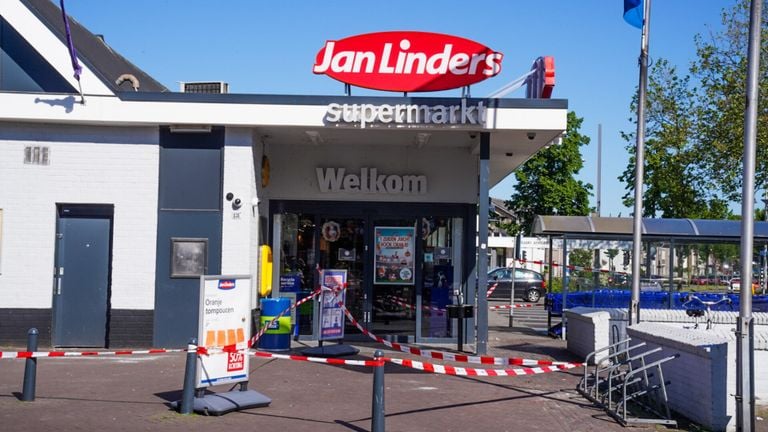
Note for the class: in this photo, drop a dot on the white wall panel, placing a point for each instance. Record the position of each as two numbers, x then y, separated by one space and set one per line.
87 165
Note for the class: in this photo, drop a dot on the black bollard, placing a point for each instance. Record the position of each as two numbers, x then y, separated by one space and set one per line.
30 368
377 414
188 392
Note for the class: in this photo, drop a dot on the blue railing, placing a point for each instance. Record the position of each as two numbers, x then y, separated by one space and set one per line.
612 298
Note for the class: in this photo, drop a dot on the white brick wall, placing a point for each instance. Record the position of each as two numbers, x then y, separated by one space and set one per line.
238 253
88 165
587 331
699 378
703 378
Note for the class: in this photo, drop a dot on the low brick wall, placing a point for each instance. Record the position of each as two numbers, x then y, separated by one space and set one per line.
703 378
587 330
699 377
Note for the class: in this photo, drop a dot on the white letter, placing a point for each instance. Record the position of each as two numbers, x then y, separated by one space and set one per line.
343 61
334 113
419 58
367 114
330 180
415 184
476 59
385 113
327 55
383 67
370 60
493 64
440 115
458 64
351 182
394 184
442 58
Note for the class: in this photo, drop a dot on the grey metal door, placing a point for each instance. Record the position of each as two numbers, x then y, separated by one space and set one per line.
82 276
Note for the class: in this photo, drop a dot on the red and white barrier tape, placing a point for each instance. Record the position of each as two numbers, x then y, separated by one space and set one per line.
265 327
452 370
491 289
571 267
515 306
401 302
331 361
441 355
40 354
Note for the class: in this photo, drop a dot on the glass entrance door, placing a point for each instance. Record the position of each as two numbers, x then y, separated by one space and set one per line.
402 271
341 246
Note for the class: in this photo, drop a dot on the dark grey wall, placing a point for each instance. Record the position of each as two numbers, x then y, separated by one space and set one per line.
14 324
129 328
189 207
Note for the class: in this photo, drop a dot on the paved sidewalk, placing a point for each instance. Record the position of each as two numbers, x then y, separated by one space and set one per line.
132 393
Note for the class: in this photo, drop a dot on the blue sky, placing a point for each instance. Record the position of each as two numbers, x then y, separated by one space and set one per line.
269 47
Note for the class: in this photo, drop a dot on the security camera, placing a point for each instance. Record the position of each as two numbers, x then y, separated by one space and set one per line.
229 196
473 135
531 135
237 203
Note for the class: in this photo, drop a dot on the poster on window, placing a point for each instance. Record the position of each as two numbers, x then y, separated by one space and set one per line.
333 283
394 255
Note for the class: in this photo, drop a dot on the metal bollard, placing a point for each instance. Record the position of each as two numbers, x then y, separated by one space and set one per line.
188 392
377 409
30 368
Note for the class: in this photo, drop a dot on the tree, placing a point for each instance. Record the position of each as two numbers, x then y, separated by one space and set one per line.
675 183
612 253
546 184
721 68
694 143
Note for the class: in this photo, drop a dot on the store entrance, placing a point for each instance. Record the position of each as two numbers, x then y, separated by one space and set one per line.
401 271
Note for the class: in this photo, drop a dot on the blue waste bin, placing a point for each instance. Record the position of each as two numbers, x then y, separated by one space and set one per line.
278 336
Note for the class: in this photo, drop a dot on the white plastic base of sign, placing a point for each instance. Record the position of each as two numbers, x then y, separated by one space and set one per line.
333 350
217 404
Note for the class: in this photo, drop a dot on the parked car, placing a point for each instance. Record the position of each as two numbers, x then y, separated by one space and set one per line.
529 285
699 280
650 285
620 280
735 285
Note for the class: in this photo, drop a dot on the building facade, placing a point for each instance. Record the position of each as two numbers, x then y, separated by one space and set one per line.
111 209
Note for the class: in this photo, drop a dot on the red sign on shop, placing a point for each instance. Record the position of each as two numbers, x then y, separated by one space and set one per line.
407 61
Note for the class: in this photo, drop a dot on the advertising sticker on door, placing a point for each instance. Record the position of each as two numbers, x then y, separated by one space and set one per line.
394 261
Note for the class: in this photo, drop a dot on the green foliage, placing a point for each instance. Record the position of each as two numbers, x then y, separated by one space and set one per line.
547 183
695 127
581 258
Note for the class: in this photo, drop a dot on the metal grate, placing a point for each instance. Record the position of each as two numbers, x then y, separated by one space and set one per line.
205 87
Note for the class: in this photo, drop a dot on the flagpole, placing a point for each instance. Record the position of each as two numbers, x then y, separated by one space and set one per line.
637 226
745 368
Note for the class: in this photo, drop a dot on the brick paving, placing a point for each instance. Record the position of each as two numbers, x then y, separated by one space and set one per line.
133 394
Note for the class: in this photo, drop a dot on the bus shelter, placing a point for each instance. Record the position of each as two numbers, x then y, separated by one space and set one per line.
679 256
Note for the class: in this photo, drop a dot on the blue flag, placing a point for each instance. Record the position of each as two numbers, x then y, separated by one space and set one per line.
633 13
72 52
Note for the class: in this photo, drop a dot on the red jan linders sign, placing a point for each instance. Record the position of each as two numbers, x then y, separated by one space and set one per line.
407 61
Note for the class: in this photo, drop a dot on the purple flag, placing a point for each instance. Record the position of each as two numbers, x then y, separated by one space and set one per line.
72 52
